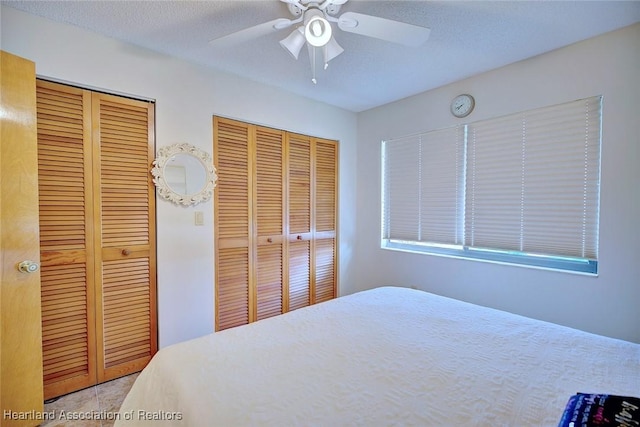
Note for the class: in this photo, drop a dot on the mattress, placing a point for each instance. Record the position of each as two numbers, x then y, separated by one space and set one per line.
384 357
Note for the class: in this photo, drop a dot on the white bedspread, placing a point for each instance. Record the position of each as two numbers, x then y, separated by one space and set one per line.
385 357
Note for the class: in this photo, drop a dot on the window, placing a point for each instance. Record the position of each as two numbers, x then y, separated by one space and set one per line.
522 188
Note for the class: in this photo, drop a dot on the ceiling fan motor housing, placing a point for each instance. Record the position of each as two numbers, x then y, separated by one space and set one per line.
297 9
294 9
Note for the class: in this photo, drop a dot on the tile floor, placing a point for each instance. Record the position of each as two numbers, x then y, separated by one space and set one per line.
101 402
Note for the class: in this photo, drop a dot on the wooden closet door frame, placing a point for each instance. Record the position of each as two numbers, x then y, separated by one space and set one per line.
253 224
312 243
285 226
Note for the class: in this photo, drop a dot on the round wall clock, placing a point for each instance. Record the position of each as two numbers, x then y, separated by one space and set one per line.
462 105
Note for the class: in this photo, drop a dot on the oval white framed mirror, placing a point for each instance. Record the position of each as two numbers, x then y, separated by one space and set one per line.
184 174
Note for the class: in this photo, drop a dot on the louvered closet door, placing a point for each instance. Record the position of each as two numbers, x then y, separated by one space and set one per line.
299 173
232 222
325 197
275 243
270 277
125 243
66 238
97 227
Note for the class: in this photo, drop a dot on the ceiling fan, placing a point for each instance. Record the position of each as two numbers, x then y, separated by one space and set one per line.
315 30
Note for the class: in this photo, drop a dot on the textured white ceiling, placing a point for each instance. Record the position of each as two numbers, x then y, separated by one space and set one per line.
466 38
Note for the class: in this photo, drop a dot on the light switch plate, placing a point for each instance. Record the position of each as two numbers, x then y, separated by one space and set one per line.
199 218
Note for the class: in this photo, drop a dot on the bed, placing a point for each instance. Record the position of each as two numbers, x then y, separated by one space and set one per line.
385 357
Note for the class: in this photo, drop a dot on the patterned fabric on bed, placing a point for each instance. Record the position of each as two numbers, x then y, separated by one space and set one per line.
388 356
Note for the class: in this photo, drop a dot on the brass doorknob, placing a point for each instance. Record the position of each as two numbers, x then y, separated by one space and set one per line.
28 266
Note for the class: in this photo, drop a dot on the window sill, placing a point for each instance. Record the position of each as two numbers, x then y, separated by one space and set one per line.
561 264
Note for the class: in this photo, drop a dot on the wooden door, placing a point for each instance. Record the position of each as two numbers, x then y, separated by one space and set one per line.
97 226
269 190
20 325
325 196
313 192
250 221
299 221
66 237
124 241
275 243
233 223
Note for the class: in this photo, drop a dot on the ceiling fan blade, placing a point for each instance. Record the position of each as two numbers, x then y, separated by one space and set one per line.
251 33
383 29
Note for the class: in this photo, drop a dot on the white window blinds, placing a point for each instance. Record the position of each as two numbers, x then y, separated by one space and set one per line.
533 181
424 179
522 188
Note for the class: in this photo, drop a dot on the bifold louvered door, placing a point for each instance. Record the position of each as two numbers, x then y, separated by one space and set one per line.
97 228
269 213
325 174
299 171
313 168
233 224
125 245
265 222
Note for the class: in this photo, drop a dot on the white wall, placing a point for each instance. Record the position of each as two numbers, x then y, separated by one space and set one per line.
608 304
187 96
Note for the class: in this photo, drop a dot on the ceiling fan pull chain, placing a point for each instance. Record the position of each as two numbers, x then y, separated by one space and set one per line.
313 66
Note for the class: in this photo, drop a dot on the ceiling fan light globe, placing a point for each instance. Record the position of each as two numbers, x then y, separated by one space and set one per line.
293 43
331 50
317 31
